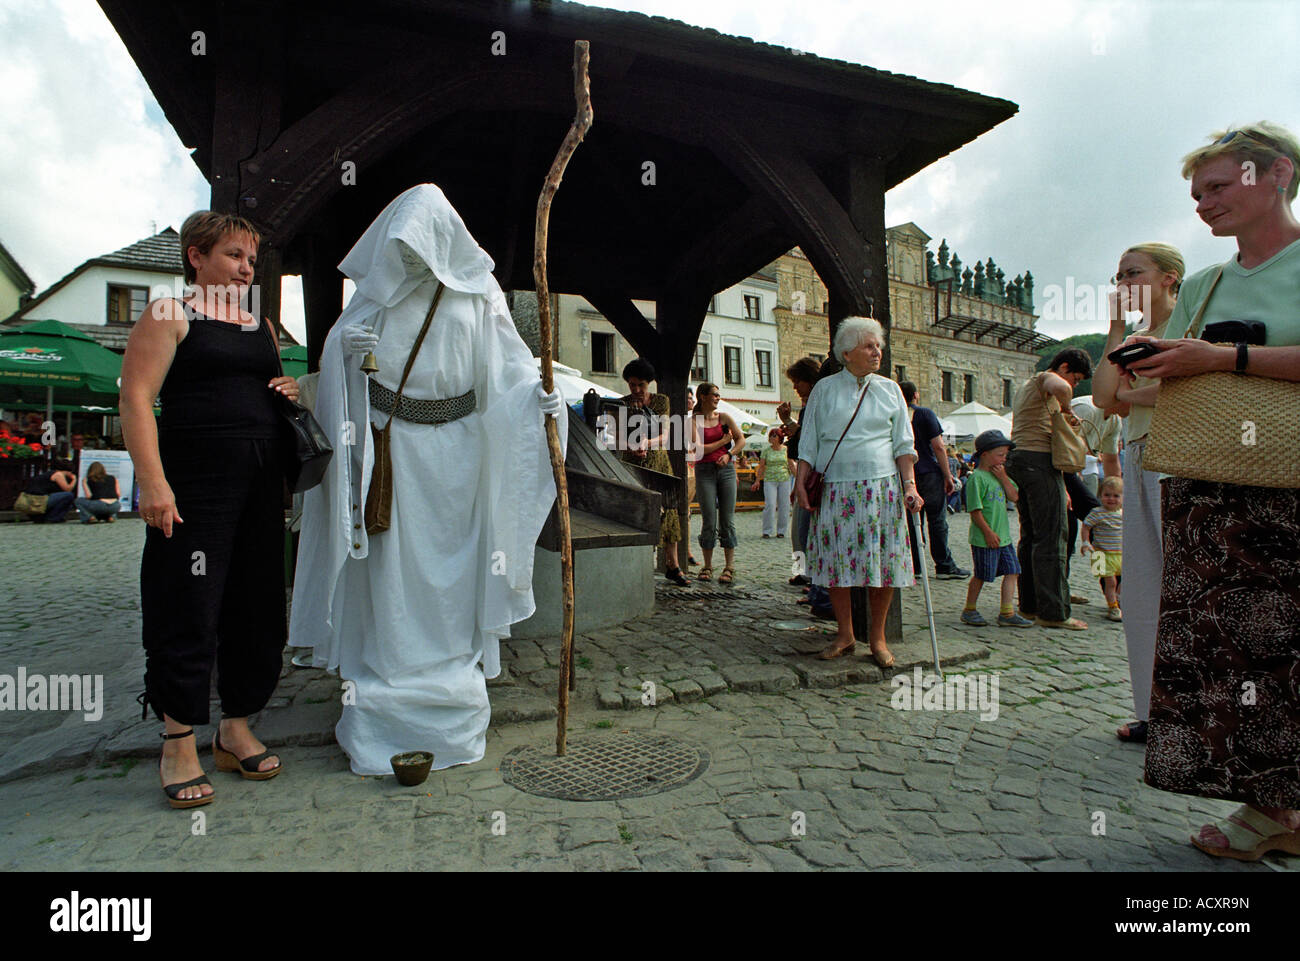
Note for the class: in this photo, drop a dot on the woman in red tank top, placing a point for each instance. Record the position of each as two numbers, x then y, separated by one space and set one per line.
715 480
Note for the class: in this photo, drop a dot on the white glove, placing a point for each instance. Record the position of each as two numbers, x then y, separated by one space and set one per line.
552 403
358 340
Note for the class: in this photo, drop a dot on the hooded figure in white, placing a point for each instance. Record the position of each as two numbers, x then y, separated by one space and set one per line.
413 617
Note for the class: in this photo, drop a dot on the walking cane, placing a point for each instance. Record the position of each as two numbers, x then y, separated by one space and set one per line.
914 525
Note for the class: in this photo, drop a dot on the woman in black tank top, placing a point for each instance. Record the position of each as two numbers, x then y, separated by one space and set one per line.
211 492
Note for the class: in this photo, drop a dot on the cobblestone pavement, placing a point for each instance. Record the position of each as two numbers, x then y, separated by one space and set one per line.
809 768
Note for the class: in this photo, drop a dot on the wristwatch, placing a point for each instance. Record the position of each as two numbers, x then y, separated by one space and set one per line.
1241 358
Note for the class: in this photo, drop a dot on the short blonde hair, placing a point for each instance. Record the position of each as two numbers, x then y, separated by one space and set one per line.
204 229
852 331
1261 143
1168 260
1115 484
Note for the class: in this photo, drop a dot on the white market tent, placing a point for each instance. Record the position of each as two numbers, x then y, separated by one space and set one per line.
972 419
747 422
571 384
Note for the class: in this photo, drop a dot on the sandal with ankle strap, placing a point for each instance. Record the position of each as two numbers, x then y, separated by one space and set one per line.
727 576
173 791
247 768
704 574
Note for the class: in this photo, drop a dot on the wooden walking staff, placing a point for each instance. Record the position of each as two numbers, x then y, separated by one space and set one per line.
581 124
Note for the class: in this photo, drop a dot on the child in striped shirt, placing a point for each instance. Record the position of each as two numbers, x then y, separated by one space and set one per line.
1102 537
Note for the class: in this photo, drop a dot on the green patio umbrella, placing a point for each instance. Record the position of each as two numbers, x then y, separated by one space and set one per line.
294 360
45 359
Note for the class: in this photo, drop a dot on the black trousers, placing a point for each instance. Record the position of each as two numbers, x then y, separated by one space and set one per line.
214 590
1081 505
1043 588
930 486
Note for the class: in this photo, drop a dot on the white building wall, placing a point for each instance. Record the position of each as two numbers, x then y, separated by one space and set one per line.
85 299
725 325
728 326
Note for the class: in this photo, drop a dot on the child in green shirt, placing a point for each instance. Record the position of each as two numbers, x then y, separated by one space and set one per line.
988 490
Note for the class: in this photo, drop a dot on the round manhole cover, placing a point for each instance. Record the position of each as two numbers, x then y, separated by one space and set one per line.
605 767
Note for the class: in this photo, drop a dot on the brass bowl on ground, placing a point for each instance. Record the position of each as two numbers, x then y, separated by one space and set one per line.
412 767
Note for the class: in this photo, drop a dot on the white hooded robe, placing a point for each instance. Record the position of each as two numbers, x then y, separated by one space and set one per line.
409 615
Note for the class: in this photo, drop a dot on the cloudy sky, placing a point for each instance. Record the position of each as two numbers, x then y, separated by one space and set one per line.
1111 95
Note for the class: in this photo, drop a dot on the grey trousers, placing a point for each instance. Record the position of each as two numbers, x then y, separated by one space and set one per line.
1143 558
716 488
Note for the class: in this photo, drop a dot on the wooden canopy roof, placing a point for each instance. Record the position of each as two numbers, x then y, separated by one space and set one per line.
755 148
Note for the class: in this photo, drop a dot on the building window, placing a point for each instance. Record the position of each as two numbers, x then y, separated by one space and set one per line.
731 366
826 307
900 374
1006 392
753 307
602 353
700 367
763 362
968 388
125 304
947 386
820 358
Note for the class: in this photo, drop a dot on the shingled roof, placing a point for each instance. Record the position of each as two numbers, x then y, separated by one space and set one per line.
160 253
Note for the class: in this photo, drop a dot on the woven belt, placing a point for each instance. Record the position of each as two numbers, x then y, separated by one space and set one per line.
421 411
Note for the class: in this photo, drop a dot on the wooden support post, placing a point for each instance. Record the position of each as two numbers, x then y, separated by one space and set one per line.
860 190
322 297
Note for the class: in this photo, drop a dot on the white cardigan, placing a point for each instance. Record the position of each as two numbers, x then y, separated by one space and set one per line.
881 433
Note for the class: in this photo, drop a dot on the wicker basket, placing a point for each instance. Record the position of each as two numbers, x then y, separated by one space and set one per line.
1229 428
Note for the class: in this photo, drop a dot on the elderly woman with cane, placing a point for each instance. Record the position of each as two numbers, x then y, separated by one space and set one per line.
1225 706
857 433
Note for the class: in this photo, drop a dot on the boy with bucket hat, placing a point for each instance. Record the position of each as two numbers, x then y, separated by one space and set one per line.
987 492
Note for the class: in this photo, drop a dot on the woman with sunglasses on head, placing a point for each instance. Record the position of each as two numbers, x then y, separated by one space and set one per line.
1225 707
1148 279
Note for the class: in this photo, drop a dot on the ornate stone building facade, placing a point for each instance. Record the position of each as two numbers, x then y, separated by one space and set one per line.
959 334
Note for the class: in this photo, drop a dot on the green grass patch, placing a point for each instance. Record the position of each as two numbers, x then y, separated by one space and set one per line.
603 724
624 834
124 768
585 663
48 840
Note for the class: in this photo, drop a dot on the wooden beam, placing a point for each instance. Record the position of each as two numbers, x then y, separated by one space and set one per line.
814 217
628 321
735 232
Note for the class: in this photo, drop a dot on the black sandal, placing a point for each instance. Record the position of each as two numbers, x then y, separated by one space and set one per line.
675 575
1137 732
247 768
173 790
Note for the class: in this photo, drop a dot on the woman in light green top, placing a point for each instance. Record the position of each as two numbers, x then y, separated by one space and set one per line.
773 472
1148 280
1225 706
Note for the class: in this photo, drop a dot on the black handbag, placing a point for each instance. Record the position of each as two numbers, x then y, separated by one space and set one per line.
309 451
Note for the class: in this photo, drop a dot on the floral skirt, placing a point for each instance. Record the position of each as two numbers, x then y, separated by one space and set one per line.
858 536
1225 700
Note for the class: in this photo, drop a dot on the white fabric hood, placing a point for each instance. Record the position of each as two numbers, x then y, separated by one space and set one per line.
426 225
